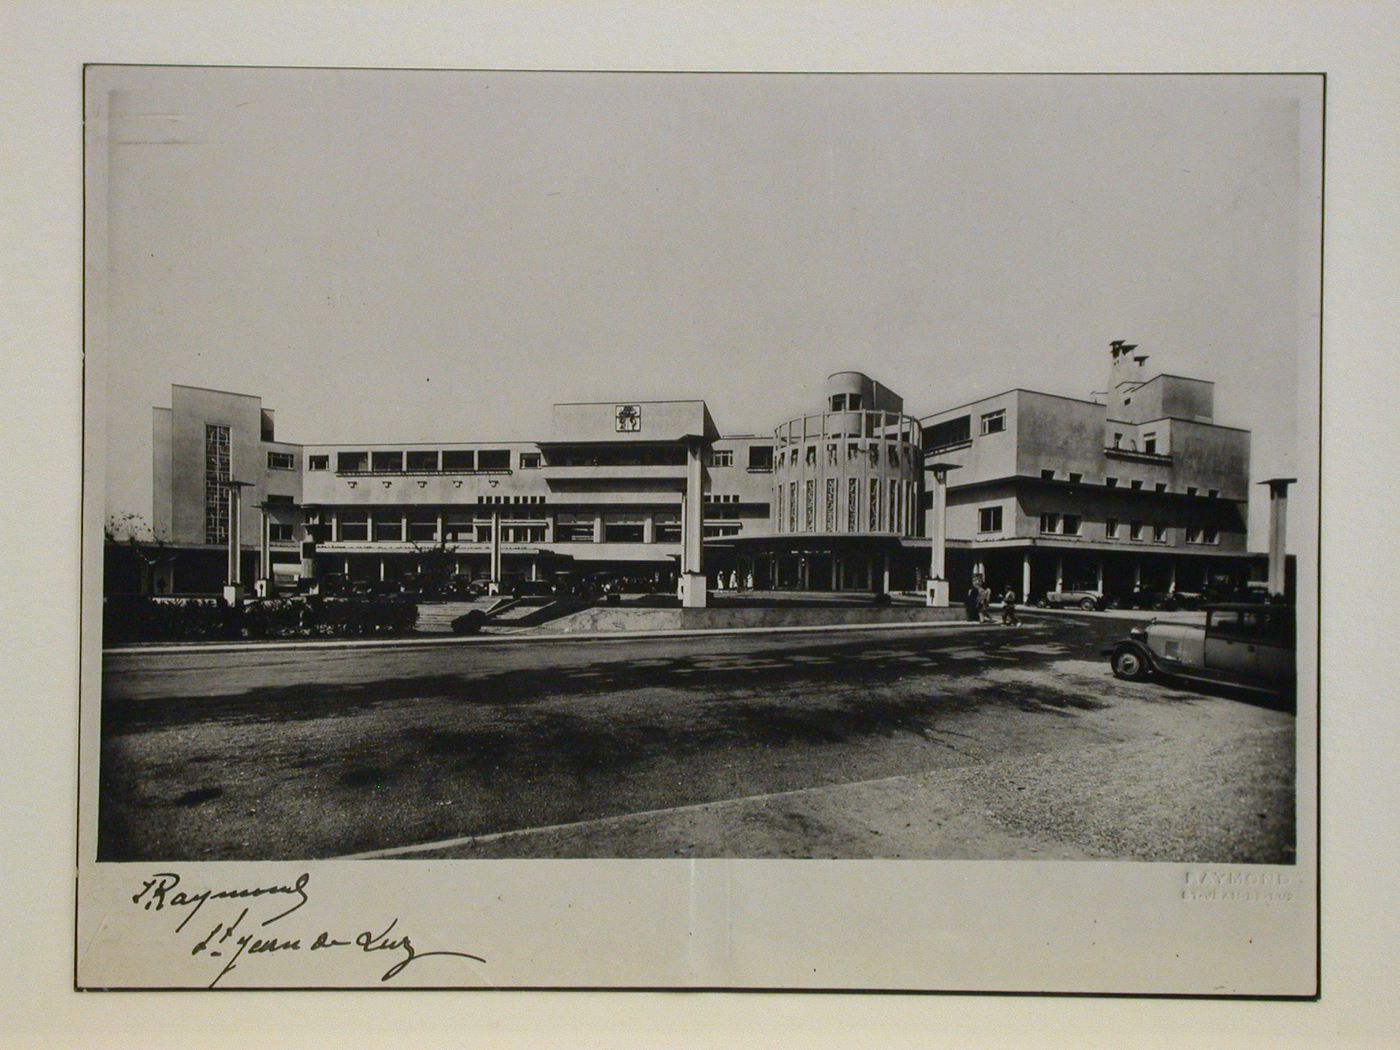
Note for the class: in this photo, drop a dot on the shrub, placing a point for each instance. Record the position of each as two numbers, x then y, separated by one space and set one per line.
140 618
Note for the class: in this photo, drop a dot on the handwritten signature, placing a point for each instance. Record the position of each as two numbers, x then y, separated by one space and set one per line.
233 941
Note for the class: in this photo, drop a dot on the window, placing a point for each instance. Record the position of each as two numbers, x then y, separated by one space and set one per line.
388 528
1049 523
1212 493
989 519
423 460
720 457
353 528
1110 483
1135 530
1071 524
838 402
281 461
852 504
1075 479
1210 535
279 532
874 505
458 459
1161 486
578 528
760 457
1047 475
811 455
792 506
386 462
949 433
280 501
830 503
1117 440
722 529
831 459
493 459
1159 532
853 402
1110 528
994 422
529 461
623 527
1191 490
318 462
217 474
852 452
1149 443
781 519
810 517
459 527
1135 484
893 454
422 528
668 528
352 462
1193 534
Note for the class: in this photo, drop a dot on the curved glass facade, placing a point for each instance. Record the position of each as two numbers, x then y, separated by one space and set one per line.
847 473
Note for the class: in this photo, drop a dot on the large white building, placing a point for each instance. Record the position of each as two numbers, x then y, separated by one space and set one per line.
1142 488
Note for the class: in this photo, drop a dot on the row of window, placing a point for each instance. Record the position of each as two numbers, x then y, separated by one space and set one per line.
711 497
1134 485
1149 443
887 507
416 461
760 457
989 520
855 452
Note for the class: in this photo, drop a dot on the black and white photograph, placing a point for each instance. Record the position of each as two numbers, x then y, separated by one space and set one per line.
672 471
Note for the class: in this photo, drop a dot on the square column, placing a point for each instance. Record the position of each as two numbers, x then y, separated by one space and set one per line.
937 594
692 529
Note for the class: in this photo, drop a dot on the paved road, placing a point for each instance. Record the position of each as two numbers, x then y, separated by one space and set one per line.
977 741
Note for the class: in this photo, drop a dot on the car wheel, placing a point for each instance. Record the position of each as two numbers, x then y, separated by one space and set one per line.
1088 605
1128 663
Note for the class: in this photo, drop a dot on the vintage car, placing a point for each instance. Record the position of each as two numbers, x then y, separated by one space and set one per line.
1241 644
1087 600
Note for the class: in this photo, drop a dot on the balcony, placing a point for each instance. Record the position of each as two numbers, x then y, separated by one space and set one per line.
1135 456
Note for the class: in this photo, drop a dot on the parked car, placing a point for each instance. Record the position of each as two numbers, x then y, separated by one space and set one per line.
1241 643
1142 598
1088 600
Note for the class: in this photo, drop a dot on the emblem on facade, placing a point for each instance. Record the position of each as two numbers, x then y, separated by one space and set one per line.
629 419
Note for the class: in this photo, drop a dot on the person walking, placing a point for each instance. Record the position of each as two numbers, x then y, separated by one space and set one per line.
1008 609
972 601
984 604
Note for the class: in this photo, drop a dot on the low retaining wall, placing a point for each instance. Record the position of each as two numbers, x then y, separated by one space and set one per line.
613 618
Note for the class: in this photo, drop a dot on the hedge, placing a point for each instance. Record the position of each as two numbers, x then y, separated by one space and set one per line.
138 618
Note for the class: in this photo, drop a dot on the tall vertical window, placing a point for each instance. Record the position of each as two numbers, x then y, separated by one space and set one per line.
781 520
852 504
893 507
831 503
216 478
810 518
989 519
874 504
792 506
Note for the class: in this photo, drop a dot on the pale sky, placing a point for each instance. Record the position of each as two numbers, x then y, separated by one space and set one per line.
420 256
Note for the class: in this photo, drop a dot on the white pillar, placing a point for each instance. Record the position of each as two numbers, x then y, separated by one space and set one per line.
1026 577
937 594
1137 572
692 529
1099 579
1171 574
1059 572
885 579
264 545
1278 533
495 546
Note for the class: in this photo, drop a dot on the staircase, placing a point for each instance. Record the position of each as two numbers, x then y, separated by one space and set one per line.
437 617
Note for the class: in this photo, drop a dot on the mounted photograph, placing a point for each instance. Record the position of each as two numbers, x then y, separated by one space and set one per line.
778 496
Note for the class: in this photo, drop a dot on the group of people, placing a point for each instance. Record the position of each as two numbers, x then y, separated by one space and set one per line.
733 581
979 604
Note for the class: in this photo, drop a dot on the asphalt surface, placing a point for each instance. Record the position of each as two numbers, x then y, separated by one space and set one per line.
970 742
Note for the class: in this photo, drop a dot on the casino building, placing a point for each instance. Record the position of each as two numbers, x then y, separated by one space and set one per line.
1138 488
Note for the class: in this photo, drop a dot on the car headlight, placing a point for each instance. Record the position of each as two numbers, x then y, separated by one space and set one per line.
1140 633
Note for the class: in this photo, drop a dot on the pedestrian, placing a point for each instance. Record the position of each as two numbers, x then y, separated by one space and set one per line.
748 581
1008 609
984 604
733 580
973 599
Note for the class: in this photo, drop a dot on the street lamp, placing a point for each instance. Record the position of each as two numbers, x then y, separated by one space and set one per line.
937 594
